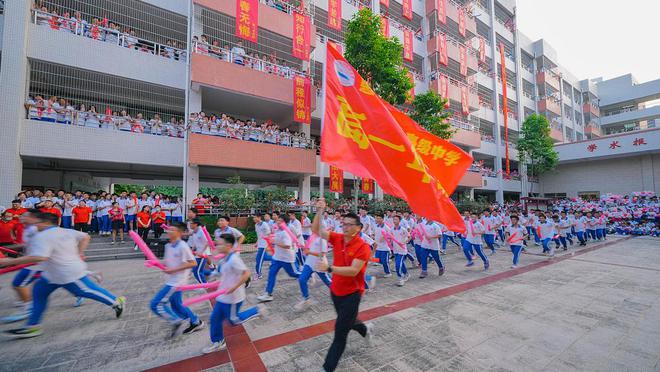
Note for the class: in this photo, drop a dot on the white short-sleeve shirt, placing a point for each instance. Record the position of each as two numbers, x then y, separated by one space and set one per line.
175 255
231 269
60 246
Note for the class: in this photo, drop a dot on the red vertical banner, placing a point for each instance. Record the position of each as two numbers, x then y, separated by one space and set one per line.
407 9
411 93
301 36
441 5
407 45
442 49
385 26
247 19
385 3
367 186
465 104
505 110
461 21
302 100
462 59
334 14
443 83
336 179
482 50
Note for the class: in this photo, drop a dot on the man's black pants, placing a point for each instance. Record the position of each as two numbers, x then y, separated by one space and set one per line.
347 308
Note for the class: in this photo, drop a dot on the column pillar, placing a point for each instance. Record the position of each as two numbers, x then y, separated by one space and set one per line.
304 188
13 88
378 192
499 193
192 182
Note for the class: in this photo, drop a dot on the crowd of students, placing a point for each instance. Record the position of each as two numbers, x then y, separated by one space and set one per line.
101 29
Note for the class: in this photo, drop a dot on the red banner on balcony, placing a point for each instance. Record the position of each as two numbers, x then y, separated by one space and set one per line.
461 21
407 9
407 45
462 59
443 88
385 2
247 19
411 92
465 104
334 14
385 26
302 100
442 49
301 36
482 50
367 186
336 179
441 5
505 110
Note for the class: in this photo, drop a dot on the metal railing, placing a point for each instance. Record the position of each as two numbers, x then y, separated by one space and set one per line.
252 133
243 59
107 35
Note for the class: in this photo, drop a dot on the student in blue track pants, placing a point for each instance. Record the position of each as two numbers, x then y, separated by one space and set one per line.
283 258
473 241
516 235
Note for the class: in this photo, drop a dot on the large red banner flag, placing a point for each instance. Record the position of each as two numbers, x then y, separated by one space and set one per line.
461 21
482 50
247 19
334 14
367 186
462 60
302 100
465 104
336 179
442 11
385 2
443 84
442 49
368 137
385 26
407 45
407 9
301 36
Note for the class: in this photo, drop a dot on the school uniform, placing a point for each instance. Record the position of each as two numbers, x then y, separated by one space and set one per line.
318 246
382 248
516 238
200 247
580 228
546 233
400 238
565 232
431 246
296 228
489 232
591 228
283 258
446 236
473 243
263 230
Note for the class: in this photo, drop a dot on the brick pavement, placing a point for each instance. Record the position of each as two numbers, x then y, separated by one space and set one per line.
562 317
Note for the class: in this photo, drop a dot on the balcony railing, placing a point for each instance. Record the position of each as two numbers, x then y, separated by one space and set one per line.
243 59
282 6
107 35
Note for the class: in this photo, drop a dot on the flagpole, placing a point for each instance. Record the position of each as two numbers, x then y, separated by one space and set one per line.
323 93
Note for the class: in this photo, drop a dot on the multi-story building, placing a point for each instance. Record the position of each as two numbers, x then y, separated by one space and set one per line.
171 58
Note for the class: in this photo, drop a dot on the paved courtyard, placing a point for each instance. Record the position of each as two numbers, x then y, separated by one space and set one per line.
597 310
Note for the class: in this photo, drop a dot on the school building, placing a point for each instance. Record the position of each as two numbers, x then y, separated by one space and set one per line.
173 58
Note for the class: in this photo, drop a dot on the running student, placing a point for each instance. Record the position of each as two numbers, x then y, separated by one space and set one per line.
59 252
516 235
200 247
224 228
283 258
400 237
233 276
350 256
167 303
318 249
381 245
431 247
473 241
263 230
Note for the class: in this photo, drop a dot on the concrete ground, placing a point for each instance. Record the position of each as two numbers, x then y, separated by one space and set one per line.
597 311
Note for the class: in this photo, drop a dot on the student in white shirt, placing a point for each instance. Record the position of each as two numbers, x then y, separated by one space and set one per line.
200 248
447 235
431 247
176 209
564 230
489 230
238 53
58 250
580 225
296 228
473 241
318 249
283 258
400 237
224 228
167 303
263 230
306 225
545 229
233 276
516 234
381 244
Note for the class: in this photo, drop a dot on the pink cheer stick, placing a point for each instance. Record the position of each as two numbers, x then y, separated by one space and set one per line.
288 231
309 242
208 238
164 226
152 260
204 297
192 287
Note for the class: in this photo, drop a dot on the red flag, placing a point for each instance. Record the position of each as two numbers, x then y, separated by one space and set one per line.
461 21
385 26
411 93
442 49
367 186
407 9
482 50
301 36
302 100
465 104
385 2
442 11
462 59
505 110
407 45
247 19
443 83
368 137
334 14
336 179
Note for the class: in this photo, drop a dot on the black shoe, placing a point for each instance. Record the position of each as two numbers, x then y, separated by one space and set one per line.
194 327
119 307
247 284
441 271
24 332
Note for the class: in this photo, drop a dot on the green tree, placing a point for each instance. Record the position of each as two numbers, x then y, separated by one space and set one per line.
376 58
535 146
429 111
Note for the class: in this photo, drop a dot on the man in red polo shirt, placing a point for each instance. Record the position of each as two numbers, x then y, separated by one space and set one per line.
48 208
17 210
7 229
350 257
82 216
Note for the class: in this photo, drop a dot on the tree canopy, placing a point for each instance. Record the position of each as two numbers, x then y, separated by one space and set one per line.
535 146
429 111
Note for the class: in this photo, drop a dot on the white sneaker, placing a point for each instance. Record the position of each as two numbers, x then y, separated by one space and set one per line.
216 346
302 305
265 298
369 337
401 282
372 283
387 275
514 266
406 277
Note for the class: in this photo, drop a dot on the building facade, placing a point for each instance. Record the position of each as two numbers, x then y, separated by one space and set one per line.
159 60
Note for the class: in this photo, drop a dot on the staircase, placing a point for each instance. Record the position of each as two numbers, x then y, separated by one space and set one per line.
100 249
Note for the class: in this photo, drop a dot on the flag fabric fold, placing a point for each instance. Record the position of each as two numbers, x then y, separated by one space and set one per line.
366 136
